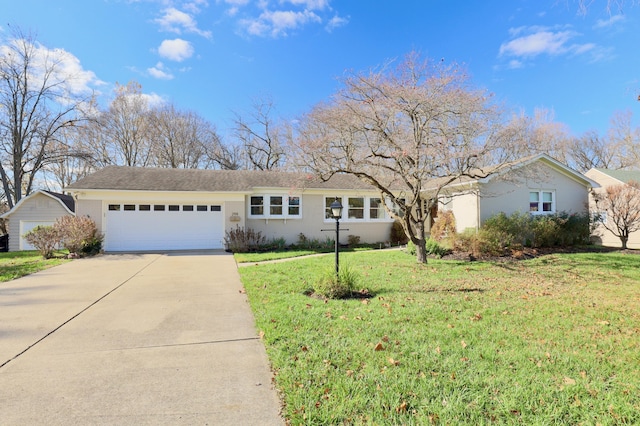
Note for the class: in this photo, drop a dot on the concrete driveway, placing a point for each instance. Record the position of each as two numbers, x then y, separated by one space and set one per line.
133 339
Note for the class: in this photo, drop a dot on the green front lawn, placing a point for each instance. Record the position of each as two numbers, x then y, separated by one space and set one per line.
553 340
18 264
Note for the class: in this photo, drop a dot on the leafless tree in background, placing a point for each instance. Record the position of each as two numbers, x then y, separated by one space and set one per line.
181 139
419 126
37 102
262 136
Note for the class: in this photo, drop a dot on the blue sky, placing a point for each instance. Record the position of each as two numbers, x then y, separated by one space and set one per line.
216 56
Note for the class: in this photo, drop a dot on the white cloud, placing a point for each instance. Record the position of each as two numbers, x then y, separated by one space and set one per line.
278 23
160 72
311 4
336 22
534 41
608 23
176 21
63 68
176 50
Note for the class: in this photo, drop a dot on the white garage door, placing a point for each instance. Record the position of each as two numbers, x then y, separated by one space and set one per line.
147 227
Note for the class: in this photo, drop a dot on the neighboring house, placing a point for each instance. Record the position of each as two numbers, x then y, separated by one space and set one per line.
40 208
538 185
607 178
147 209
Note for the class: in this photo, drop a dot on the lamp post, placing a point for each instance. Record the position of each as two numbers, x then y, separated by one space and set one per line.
336 211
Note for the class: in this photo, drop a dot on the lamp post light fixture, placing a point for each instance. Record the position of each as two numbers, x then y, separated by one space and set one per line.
336 211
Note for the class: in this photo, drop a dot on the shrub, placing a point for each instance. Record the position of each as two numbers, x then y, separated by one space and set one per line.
314 243
435 249
353 240
397 234
432 247
444 226
337 287
274 244
46 239
239 240
79 234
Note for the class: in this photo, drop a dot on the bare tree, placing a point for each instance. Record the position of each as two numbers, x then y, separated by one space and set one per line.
408 131
590 151
181 139
262 136
622 206
125 128
37 101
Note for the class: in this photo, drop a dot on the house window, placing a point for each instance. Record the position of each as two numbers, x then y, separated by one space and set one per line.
216 208
541 202
174 208
275 206
294 206
129 207
257 206
376 209
201 208
158 207
355 208
187 208
144 207
114 207
327 207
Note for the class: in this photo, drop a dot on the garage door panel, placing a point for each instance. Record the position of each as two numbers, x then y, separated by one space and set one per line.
163 230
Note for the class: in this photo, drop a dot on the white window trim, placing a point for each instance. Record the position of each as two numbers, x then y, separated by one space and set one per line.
345 209
540 192
266 207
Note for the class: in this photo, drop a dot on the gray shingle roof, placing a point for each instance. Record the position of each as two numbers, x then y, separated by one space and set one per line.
622 175
67 200
159 179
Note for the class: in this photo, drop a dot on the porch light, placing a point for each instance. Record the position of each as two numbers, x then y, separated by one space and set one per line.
336 209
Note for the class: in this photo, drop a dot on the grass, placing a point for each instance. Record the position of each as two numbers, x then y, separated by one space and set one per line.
290 253
18 264
552 340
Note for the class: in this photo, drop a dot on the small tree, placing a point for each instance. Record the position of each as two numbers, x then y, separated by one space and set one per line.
622 206
78 234
46 239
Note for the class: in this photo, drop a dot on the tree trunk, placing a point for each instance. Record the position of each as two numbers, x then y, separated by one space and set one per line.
624 242
421 251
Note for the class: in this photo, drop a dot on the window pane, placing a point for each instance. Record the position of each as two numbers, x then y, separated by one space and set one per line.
376 211
257 206
294 206
187 208
275 206
174 208
356 208
216 208
201 208
158 207
534 197
114 207
144 207
547 196
129 207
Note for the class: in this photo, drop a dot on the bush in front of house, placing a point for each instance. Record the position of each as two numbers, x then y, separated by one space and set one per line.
241 240
397 234
433 248
46 239
501 233
79 235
